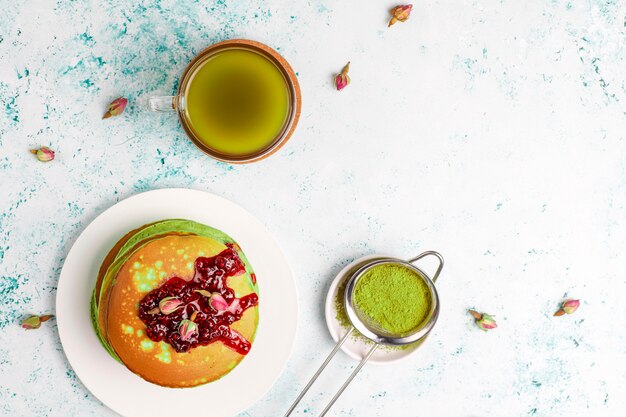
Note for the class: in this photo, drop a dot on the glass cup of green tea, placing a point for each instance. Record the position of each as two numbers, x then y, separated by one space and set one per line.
239 101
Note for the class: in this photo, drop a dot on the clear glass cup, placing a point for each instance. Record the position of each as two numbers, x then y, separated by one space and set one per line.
178 102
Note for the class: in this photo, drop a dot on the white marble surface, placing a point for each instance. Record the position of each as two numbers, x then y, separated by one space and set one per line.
493 132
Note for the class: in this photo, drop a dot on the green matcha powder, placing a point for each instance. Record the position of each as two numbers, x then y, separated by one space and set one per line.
393 296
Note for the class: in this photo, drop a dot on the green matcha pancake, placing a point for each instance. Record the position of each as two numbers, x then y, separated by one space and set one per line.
177 303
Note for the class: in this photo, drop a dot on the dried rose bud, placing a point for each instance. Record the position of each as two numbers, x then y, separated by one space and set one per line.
44 154
34 322
483 320
400 14
116 107
168 305
187 329
568 307
342 79
218 302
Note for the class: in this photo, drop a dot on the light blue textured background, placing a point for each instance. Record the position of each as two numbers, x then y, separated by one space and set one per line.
492 131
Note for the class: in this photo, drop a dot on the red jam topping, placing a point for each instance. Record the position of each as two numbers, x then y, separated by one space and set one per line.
211 324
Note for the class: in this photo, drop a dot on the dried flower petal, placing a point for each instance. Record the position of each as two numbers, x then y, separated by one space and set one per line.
483 320
342 79
44 154
116 107
187 329
168 305
400 14
218 302
34 322
568 307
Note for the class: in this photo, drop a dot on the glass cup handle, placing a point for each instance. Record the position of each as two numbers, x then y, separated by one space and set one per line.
162 103
436 255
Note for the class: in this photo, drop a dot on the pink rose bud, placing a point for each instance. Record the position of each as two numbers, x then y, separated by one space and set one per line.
116 107
487 322
568 307
342 79
218 302
483 320
400 14
44 154
34 322
187 329
168 305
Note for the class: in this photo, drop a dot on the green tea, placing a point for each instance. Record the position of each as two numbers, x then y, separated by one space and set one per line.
237 102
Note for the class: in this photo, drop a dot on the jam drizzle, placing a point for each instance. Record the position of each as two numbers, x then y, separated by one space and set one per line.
212 325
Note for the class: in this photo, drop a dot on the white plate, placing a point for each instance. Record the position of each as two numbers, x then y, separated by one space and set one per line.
127 393
356 347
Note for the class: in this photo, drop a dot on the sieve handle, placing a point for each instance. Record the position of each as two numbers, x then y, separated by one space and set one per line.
319 371
431 253
350 378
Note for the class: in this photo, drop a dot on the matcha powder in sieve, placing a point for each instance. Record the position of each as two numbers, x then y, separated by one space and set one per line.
394 296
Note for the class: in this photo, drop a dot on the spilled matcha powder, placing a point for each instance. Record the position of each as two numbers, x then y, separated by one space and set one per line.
393 296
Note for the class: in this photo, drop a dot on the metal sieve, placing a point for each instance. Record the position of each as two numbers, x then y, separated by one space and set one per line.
372 330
